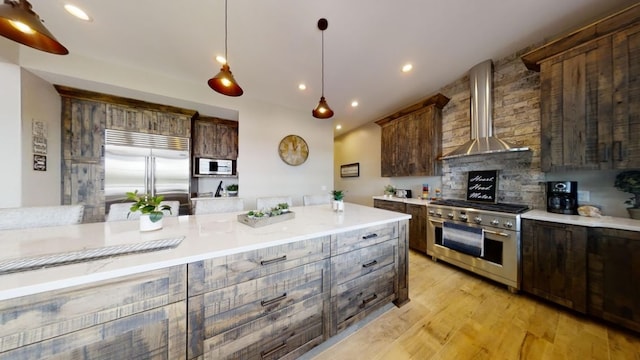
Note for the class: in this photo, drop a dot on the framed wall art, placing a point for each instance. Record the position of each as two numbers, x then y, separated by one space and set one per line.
350 170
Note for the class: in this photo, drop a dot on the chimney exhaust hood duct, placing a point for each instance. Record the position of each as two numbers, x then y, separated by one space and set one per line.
482 139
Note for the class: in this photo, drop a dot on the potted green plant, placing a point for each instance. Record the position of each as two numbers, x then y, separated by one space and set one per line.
629 182
232 189
149 208
338 197
389 190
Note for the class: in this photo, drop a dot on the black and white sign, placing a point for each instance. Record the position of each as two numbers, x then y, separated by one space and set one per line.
39 163
482 186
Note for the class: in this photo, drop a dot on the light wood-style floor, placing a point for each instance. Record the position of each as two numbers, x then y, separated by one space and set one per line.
457 315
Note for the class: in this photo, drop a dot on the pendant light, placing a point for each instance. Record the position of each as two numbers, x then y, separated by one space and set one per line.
21 24
322 111
223 82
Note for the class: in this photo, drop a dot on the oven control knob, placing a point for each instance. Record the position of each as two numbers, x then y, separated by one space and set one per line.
463 217
495 222
508 224
450 215
431 212
439 214
478 219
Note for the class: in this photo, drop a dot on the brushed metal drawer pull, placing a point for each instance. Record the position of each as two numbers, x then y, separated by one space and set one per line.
370 236
268 353
272 261
274 300
366 301
370 264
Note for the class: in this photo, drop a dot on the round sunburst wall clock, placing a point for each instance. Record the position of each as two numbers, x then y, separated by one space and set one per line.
293 150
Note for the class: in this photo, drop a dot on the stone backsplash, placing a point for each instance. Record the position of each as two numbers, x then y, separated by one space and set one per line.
516 119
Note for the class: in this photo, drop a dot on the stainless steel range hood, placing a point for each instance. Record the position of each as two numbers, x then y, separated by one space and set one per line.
482 139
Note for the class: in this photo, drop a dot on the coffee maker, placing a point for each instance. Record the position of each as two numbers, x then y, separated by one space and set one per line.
562 197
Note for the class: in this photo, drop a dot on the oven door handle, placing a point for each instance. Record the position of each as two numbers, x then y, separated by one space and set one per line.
496 233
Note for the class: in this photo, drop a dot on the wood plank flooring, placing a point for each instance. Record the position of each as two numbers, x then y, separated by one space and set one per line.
456 315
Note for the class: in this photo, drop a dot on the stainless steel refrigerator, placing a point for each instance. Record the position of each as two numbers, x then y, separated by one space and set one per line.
154 164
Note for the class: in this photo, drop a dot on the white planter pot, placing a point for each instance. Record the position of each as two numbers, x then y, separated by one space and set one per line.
147 225
338 205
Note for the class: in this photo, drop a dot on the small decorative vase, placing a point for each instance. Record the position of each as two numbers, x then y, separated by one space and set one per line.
634 213
147 225
232 193
338 205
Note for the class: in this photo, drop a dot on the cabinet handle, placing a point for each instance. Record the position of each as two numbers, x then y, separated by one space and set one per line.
617 150
274 300
370 264
273 261
604 152
366 301
268 353
370 236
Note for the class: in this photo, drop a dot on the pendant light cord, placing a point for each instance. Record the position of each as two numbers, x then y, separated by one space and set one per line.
225 33
322 63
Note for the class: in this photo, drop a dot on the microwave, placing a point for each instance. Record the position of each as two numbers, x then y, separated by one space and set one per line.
204 166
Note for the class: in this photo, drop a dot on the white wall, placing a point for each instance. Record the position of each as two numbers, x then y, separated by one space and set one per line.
10 133
41 103
362 145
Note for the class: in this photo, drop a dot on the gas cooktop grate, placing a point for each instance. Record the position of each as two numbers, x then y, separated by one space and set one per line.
499 207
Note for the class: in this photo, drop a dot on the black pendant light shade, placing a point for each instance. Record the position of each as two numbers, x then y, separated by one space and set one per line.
322 111
224 82
21 24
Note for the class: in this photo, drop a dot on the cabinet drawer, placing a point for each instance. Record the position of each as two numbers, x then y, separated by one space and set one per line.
217 273
350 265
351 240
358 297
292 330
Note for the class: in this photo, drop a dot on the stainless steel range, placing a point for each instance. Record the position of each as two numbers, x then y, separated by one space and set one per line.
482 238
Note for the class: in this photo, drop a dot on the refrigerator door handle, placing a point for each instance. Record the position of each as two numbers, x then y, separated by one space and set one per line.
152 176
146 174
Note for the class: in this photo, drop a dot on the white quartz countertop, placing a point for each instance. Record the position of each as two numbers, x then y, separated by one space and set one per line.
205 236
603 222
416 201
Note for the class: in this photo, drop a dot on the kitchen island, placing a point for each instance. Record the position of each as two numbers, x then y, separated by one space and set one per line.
227 290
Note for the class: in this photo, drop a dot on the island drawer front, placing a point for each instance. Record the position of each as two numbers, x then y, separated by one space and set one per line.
350 265
358 297
60 322
238 304
351 240
286 333
217 273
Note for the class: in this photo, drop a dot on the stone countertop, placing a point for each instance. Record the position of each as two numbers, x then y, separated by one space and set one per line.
603 222
206 236
416 201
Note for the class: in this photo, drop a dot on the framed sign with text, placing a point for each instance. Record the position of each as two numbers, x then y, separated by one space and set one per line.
482 186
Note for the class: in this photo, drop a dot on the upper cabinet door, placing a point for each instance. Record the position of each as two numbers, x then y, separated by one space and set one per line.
215 138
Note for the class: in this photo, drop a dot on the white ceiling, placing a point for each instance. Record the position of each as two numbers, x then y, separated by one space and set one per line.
273 45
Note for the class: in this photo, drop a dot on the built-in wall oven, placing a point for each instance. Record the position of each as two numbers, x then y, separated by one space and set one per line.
481 238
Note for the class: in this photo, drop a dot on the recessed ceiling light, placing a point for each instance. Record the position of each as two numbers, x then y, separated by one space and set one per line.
302 87
407 68
354 103
221 59
77 12
338 127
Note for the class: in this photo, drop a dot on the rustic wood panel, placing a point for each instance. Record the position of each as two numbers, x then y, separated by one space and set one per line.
174 124
271 337
573 111
597 29
614 256
350 265
402 267
83 130
390 205
215 138
355 239
211 274
86 186
138 315
554 262
417 227
388 155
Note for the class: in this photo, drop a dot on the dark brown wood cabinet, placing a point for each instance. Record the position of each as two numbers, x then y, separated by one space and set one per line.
215 138
614 274
417 224
554 262
411 142
590 96
417 227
